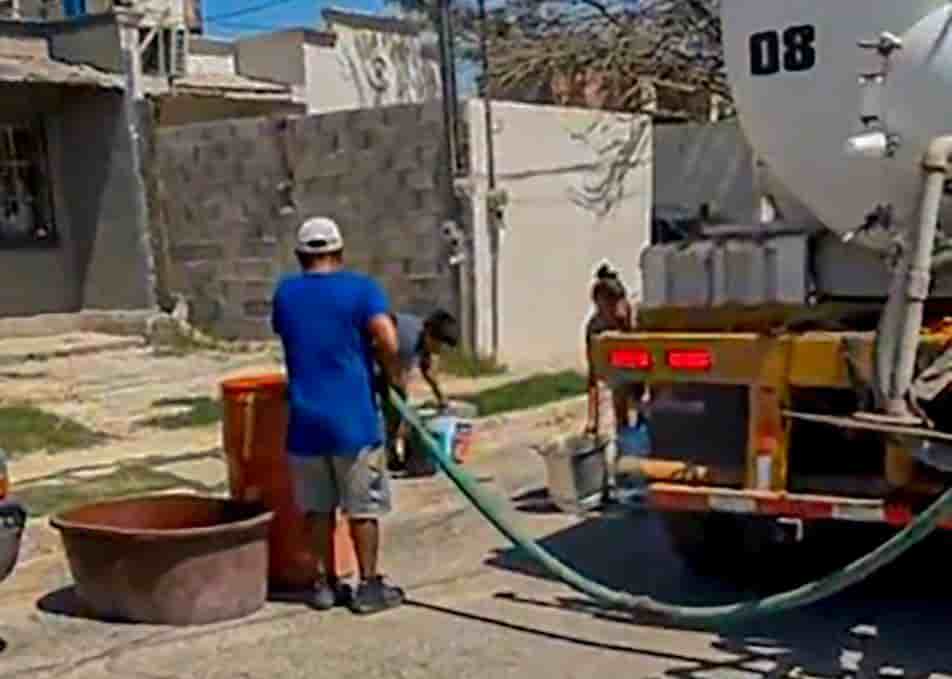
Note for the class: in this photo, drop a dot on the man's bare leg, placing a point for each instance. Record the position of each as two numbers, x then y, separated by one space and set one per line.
366 493
366 536
328 590
322 527
373 595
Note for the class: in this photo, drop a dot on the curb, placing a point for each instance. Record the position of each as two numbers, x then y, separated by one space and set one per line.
121 323
86 349
556 409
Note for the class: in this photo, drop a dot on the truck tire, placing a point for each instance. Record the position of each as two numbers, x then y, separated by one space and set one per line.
708 544
736 549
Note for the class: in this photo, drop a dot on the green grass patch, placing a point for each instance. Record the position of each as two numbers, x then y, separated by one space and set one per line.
527 393
53 497
201 411
26 429
462 364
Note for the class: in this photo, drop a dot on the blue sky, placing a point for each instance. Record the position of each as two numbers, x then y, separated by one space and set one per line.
227 18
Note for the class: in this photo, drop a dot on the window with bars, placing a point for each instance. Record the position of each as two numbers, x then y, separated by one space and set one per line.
26 215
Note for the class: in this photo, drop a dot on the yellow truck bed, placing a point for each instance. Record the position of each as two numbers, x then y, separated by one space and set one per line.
771 476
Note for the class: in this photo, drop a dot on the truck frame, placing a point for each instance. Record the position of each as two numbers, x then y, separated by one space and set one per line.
757 425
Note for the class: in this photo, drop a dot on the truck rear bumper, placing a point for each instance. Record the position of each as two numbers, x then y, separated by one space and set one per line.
12 523
680 498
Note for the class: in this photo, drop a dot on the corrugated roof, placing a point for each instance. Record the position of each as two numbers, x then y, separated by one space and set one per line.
229 85
32 69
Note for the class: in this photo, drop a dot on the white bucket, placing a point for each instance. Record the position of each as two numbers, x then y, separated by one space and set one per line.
576 472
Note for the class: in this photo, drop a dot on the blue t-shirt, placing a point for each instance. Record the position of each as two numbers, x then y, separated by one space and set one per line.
322 320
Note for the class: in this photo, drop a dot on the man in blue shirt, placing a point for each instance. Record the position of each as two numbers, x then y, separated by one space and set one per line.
332 322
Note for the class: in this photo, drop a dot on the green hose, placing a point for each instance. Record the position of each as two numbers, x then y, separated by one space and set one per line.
708 616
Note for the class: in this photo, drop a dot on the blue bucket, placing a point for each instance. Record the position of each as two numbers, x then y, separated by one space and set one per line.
634 440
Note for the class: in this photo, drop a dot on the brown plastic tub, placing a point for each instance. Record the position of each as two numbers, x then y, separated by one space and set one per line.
168 559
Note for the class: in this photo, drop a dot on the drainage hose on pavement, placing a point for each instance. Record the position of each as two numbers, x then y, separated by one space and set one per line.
708 616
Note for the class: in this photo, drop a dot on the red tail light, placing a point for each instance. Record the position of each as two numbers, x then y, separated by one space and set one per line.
689 359
632 359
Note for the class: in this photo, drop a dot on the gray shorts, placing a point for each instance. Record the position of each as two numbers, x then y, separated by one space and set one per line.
358 485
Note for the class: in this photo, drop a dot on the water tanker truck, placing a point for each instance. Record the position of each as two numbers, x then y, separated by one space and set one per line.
800 373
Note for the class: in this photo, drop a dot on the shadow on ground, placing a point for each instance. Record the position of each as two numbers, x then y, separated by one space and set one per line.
896 620
535 502
66 603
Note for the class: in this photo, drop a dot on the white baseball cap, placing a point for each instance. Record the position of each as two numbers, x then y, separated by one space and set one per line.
319 236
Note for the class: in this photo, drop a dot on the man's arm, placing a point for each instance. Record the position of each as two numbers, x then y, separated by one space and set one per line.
383 333
379 326
276 312
427 369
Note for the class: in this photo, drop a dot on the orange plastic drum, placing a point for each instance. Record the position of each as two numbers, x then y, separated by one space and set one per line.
254 432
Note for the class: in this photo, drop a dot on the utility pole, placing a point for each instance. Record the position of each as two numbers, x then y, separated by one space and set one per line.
487 96
448 82
492 214
133 98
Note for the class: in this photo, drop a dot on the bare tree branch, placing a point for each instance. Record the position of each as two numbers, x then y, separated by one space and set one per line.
609 53
624 55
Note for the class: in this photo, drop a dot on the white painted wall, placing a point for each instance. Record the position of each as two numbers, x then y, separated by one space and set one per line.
328 85
559 227
348 80
338 78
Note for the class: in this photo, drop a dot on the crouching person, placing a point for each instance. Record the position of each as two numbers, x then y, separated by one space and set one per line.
421 341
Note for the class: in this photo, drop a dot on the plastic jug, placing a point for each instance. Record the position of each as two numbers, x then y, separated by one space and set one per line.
634 440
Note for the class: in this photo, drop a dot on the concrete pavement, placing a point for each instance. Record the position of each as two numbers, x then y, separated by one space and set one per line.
478 610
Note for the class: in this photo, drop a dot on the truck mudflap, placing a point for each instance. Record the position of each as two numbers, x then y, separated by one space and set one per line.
679 498
12 524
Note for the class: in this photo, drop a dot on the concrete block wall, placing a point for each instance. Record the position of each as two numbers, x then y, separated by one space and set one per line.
228 197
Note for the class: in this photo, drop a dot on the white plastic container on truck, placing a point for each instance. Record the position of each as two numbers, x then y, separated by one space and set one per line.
739 270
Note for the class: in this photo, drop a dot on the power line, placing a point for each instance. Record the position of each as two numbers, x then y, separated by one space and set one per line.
249 10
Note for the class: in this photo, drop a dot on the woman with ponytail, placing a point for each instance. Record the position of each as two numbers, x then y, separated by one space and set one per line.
612 313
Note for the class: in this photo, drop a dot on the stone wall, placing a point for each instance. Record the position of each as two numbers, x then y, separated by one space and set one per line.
227 198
